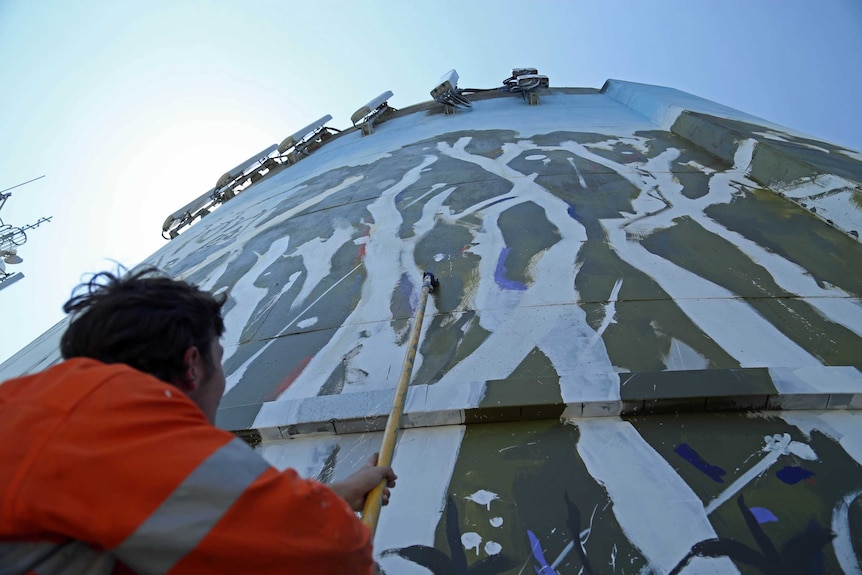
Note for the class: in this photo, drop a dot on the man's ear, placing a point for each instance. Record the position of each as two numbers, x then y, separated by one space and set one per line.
192 374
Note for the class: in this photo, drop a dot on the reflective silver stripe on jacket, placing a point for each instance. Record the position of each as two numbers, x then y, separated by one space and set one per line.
195 506
73 558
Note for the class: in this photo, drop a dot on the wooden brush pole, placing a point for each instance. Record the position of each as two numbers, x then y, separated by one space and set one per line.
374 500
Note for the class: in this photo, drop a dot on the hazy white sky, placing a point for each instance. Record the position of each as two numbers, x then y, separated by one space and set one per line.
132 109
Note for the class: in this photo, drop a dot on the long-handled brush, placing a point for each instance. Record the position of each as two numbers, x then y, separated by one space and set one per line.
374 501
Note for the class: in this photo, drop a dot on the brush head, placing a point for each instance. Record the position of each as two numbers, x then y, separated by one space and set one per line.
429 280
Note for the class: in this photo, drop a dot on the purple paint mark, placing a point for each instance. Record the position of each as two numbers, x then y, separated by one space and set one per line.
693 457
536 548
792 475
763 515
405 291
500 274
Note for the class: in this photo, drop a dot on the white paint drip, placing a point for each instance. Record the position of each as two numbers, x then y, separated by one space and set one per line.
483 497
471 540
496 521
493 548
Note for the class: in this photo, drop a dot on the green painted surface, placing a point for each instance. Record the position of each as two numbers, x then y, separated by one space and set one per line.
690 246
734 443
647 318
784 228
534 381
527 233
533 468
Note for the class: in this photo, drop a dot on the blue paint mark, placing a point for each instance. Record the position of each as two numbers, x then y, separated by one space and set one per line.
693 457
572 213
536 548
763 515
792 475
500 274
404 299
498 201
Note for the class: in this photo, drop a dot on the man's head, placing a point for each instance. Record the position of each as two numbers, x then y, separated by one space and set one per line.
164 327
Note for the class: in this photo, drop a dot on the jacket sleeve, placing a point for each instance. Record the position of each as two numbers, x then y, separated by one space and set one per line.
136 469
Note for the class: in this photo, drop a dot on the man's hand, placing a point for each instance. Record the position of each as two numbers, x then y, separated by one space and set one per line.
356 487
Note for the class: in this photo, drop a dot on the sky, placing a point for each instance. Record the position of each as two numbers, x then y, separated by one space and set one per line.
132 109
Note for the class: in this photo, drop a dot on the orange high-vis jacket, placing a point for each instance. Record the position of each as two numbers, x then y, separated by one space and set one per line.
107 470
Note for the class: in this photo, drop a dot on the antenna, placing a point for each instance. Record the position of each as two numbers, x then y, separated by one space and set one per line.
11 237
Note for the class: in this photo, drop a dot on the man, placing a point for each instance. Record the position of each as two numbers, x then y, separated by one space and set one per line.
110 462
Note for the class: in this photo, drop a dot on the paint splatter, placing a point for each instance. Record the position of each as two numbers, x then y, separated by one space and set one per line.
493 548
471 540
501 271
483 497
713 472
535 157
306 323
763 515
792 475
496 521
439 257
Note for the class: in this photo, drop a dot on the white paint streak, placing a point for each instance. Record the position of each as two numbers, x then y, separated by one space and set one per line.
580 177
644 487
246 296
845 427
522 320
734 325
306 322
239 372
418 501
843 542
774 449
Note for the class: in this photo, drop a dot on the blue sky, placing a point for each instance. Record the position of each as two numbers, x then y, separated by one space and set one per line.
132 109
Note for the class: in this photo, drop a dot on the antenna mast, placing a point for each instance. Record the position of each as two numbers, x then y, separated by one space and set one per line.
11 237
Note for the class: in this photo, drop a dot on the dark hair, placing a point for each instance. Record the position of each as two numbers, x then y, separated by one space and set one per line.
144 319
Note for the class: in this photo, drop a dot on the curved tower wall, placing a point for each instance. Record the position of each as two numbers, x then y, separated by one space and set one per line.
647 333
